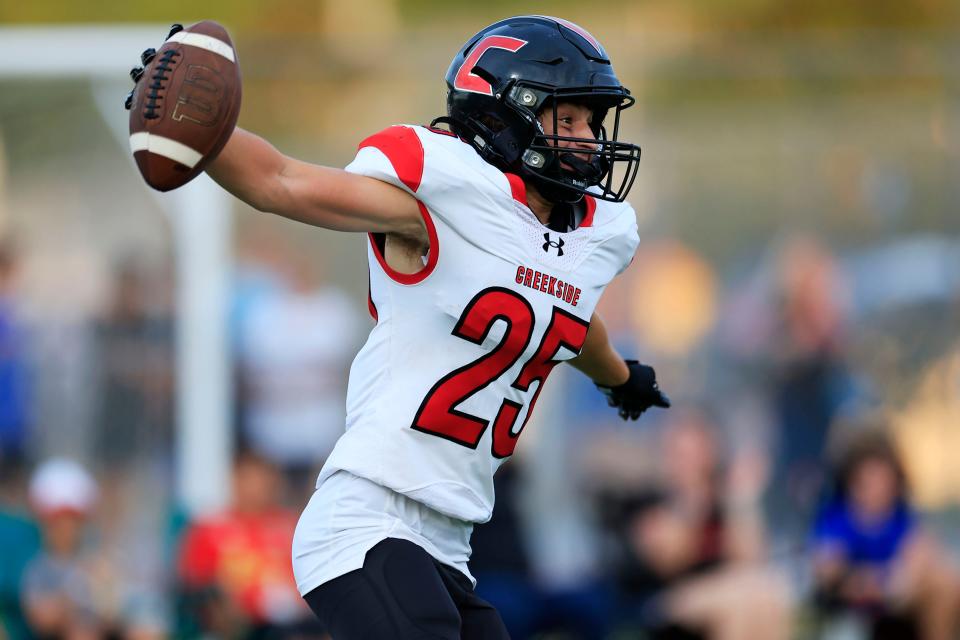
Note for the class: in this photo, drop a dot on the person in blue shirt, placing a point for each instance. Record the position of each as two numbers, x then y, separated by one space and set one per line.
873 557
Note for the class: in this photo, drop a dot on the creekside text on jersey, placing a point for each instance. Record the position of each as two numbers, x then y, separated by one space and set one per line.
548 284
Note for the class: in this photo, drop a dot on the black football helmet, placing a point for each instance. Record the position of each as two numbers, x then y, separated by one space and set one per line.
508 73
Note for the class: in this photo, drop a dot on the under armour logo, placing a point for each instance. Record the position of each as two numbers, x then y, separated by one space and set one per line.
550 243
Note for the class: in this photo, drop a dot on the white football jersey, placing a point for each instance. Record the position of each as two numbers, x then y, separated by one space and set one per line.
449 375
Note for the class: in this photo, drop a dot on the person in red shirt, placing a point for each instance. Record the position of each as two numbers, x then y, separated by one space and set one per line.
234 567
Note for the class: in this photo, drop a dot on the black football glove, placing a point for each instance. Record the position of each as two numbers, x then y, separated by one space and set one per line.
145 59
637 394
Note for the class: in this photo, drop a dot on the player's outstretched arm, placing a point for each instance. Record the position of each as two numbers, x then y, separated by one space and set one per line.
254 171
598 359
631 387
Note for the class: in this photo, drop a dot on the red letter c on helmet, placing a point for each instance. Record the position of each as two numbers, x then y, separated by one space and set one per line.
466 80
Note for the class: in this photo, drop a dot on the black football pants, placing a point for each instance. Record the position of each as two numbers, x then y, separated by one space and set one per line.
402 593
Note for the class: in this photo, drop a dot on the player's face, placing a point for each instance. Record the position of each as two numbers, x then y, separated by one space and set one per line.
573 121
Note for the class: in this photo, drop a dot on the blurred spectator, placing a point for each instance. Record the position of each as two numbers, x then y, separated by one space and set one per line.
66 591
14 378
296 342
135 342
234 567
872 557
812 383
693 545
787 329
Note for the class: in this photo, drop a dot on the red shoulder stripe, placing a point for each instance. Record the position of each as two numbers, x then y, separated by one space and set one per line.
517 188
591 204
403 149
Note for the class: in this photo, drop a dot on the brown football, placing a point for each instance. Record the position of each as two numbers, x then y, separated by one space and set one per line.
185 106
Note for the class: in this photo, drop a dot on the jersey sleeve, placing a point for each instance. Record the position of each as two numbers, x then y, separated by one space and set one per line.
394 155
631 240
413 158
429 164
618 229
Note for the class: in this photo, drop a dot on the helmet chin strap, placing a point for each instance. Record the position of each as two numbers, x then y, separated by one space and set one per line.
589 173
592 172
556 194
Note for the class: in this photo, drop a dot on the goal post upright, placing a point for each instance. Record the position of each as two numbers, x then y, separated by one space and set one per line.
201 223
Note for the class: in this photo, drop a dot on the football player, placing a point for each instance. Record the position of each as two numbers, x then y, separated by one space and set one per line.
489 245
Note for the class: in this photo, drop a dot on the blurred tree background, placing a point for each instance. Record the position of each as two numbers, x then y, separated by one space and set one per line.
835 102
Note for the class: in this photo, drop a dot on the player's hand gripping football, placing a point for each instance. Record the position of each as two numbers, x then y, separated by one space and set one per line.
145 59
184 105
637 394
